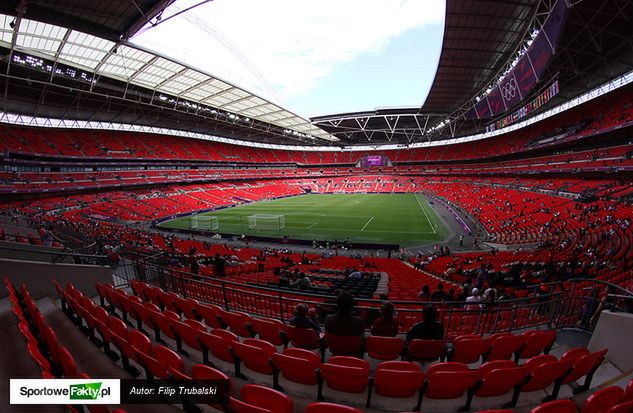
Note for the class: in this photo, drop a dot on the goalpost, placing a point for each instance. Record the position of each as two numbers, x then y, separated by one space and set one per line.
204 222
266 221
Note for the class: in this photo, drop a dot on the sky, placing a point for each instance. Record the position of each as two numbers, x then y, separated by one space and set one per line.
311 57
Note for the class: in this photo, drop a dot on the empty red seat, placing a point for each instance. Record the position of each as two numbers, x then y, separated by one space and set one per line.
537 342
602 400
626 407
237 322
266 398
218 343
557 406
254 353
401 379
543 371
209 313
583 364
497 378
468 349
384 348
504 347
322 407
449 380
296 365
346 374
268 330
187 332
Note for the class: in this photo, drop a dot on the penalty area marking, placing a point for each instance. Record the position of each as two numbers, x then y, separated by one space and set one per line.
425 214
367 223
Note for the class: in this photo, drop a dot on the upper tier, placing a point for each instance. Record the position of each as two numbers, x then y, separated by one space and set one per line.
606 113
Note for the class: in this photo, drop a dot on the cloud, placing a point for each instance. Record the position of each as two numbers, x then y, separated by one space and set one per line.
282 48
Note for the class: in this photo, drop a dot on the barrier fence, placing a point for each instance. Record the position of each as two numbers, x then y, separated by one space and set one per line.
568 307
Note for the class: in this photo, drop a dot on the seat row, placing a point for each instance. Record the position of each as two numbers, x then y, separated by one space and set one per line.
391 379
466 349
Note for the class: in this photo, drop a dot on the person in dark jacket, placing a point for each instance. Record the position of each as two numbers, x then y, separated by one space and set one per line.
301 319
429 328
343 323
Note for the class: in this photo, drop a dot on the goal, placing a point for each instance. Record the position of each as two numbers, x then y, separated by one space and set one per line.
266 221
204 222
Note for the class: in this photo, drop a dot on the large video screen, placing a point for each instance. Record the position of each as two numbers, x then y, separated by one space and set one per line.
373 160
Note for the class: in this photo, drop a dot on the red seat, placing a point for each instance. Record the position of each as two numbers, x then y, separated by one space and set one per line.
400 379
187 332
449 380
153 368
266 398
255 354
322 407
504 347
537 342
296 365
305 338
628 392
68 363
602 400
426 350
346 374
218 343
557 406
162 323
268 330
209 313
626 407
237 322
203 372
186 307
583 364
169 359
497 378
543 371
384 348
468 349
344 345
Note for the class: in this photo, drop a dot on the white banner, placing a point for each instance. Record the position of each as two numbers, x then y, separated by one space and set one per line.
65 391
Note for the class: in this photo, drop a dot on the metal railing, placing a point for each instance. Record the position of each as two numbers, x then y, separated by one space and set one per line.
565 308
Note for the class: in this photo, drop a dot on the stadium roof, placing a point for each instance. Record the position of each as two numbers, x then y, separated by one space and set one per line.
479 38
167 82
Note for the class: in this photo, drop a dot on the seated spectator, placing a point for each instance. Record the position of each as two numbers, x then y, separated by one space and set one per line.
303 283
302 320
439 294
474 301
385 325
343 323
429 328
425 294
355 274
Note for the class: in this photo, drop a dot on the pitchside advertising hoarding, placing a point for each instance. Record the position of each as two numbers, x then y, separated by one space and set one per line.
116 391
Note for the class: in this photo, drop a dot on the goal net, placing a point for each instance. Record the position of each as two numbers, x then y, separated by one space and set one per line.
266 221
204 222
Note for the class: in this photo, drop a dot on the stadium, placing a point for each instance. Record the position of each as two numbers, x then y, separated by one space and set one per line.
164 228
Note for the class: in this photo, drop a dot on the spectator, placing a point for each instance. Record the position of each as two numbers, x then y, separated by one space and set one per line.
303 283
302 320
219 266
343 323
385 325
425 294
429 328
474 301
355 274
439 294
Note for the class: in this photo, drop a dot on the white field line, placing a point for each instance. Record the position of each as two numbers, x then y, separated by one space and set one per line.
313 225
425 214
363 228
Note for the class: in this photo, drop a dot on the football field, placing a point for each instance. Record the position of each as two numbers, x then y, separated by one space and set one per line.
405 219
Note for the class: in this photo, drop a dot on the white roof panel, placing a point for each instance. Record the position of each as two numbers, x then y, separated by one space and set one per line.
129 63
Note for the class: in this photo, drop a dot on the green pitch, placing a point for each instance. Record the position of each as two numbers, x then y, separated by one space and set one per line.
405 219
